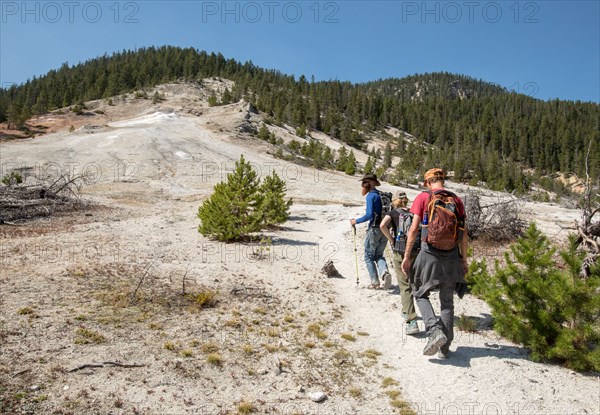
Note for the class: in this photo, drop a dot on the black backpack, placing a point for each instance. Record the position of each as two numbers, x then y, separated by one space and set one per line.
402 224
386 205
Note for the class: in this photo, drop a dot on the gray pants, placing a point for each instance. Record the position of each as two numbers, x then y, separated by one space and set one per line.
446 320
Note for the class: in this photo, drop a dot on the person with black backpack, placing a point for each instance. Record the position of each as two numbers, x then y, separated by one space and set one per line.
375 241
441 262
399 219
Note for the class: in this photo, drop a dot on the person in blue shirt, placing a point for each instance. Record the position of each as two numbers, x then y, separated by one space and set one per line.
375 241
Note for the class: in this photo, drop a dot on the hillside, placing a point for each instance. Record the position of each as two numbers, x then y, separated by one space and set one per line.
480 131
278 331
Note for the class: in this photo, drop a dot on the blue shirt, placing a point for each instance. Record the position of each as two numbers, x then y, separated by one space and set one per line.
373 208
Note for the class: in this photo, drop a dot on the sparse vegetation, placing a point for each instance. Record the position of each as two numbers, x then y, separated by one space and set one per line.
387 382
214 359
13 178
348 336
466 323
245 407
87 336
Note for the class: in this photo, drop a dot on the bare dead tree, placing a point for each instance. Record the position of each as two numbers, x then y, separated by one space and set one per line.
19 202
496 222
588 231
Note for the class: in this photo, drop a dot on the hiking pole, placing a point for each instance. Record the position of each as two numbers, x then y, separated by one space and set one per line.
355 254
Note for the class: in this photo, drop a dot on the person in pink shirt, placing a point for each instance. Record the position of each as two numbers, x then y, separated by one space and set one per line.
435 268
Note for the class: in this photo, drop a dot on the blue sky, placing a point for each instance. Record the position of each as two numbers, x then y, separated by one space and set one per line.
547 49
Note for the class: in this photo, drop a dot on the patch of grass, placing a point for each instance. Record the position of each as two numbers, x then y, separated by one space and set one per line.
234 322
355 392
328 344
248 349
315 329
271 348
186 353
466 323
41 398
169 346
309 345
209 347
349 337
25 311
215 359
260 310
246 408
81 317
155 326
86 336
362 333
404 407
371 354
206 298
273 333
392 394
387 382
341 354
288 318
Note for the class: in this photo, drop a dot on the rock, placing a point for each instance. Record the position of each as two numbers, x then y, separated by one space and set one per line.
317 396
66 388
35 387
301 389
329 269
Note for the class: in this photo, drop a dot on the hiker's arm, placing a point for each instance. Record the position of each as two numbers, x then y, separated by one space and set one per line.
464 249
367 216
410 241
385 223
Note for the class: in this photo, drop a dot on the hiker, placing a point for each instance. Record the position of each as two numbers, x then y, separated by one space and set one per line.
399 219
441 262
375 241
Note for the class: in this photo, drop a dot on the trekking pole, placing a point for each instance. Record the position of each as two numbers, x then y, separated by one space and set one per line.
355 254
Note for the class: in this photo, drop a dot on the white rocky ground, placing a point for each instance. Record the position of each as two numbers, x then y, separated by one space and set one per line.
279 323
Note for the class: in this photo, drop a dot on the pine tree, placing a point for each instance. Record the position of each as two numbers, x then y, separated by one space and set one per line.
350 164
212 100
274 209
263 132
387 156
551 311
369 165
342 160
231 211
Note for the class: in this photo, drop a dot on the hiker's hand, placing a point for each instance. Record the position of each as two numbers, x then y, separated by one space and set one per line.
464 264
406 263
353 222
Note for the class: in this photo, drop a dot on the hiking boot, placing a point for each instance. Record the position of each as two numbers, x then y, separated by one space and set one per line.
412 327
436 339
387 280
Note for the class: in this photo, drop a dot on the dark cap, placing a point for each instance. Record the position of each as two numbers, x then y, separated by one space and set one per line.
370 177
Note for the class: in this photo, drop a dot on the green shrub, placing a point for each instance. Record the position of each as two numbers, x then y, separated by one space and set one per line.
12 178
243 205
544 305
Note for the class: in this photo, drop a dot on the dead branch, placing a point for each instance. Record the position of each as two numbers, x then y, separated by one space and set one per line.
133 295
184 276
96 365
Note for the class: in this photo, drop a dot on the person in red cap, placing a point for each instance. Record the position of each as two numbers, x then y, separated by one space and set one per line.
375 241
434 267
